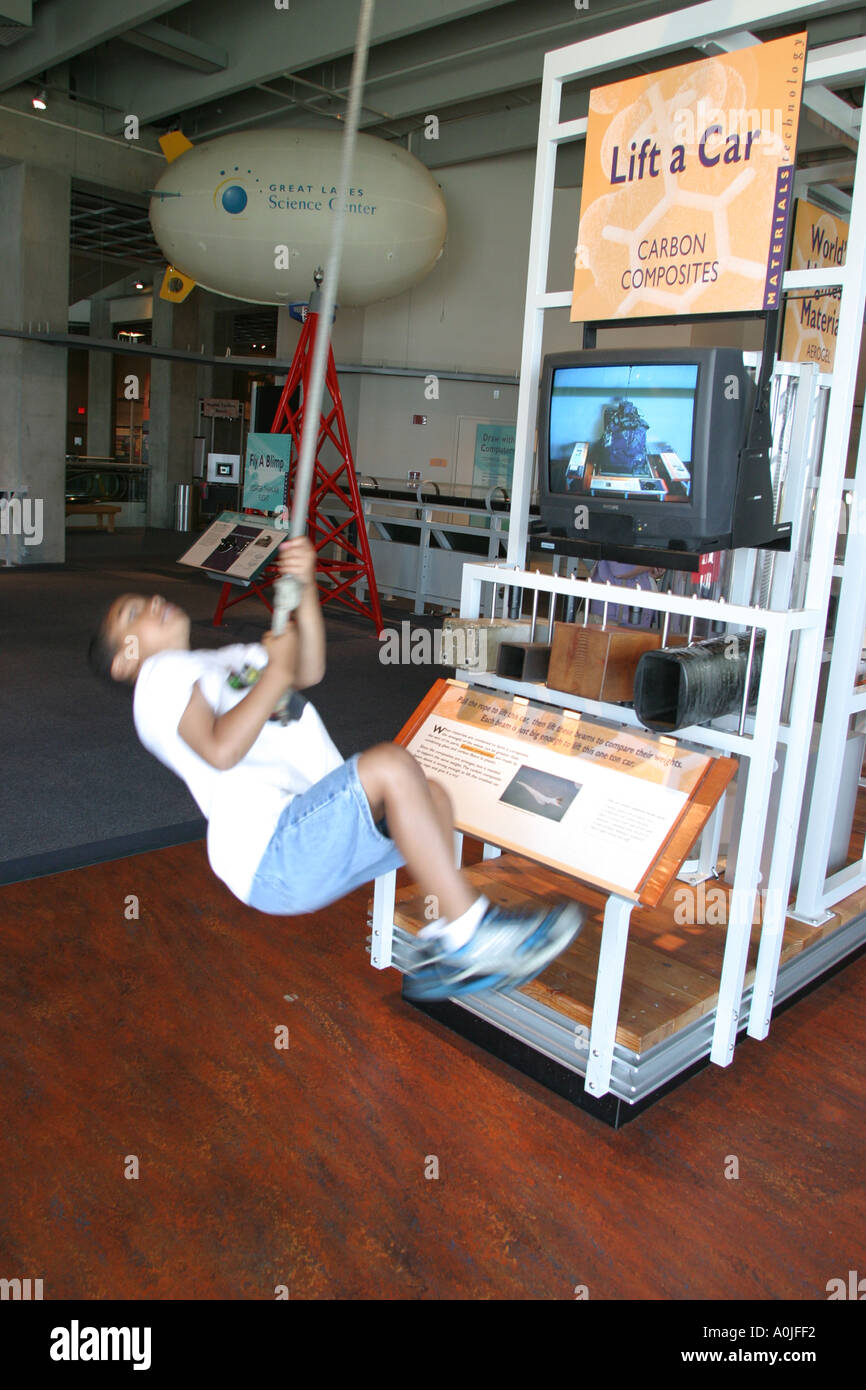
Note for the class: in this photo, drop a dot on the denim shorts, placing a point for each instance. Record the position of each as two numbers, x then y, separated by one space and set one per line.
326 843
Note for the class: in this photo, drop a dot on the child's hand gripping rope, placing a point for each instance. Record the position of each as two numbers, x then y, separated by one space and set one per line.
296 561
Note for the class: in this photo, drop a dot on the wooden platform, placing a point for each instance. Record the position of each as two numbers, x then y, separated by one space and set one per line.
673 963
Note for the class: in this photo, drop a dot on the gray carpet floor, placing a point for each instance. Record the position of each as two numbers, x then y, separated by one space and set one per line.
77 786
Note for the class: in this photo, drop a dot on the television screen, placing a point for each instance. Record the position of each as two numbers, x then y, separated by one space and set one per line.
621 430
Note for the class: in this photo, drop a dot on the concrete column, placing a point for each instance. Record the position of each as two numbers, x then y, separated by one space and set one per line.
173 406
204 385
100 385
222 325
34 289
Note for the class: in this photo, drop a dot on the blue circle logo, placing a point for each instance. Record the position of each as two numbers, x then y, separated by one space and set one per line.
234 198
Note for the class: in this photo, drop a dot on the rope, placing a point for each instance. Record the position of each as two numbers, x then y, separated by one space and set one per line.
287 591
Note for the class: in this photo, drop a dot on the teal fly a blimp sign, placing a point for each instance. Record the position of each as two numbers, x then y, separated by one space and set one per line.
266 471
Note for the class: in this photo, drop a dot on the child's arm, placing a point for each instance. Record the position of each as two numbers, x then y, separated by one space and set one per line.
298 557
222 740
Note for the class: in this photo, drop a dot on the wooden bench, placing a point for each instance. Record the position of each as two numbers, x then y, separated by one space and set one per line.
104 511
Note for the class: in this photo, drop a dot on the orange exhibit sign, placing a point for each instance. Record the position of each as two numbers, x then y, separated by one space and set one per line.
812 316
687 187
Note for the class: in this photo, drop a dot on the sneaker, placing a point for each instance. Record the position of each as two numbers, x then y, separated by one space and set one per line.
507 949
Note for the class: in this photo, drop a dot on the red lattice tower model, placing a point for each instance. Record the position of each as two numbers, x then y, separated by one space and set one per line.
338 575
353 560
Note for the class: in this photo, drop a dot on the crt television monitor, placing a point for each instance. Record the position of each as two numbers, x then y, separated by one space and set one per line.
643 446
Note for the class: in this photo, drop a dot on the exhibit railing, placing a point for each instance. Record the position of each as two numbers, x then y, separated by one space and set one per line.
420 536
105 480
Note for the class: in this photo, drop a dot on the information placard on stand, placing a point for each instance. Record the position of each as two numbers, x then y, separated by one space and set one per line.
236 546
615 808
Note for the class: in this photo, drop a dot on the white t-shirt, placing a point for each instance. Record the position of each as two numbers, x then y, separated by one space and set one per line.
242 804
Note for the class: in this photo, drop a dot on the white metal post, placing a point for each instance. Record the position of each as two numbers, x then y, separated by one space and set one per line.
848 634
705 866
608 990
799 483
384 897
423 559
790 801
533 318
470 593
746 874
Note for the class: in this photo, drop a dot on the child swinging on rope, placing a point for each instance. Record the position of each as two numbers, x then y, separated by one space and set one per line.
291 826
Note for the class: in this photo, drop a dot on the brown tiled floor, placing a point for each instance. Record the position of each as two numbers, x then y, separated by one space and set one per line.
306 1166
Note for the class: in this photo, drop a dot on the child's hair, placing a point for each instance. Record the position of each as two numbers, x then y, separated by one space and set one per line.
102 651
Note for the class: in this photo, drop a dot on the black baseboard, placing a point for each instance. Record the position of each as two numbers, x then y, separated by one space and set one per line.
819 980
58 861
570 1084
566 1083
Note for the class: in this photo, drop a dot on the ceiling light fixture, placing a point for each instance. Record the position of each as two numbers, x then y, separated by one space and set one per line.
39 102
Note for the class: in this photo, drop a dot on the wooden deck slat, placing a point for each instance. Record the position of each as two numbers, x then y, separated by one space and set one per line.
672 969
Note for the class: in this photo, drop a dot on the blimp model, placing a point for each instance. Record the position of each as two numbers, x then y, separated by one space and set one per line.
250 216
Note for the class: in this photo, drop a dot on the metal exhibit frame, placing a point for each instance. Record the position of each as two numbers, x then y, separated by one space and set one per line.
793 637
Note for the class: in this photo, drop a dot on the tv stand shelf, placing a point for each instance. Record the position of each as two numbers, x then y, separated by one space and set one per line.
654 557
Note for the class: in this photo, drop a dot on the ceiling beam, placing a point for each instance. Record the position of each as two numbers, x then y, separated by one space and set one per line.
493 134
837 63
819 180
62 29
479 137
267 42
18 11
667 34
177 47
444 68
833 114
31 137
